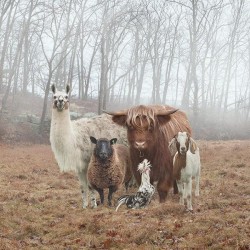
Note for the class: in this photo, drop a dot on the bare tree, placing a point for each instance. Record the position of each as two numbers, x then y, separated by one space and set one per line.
10 9
114 28
54 59
232 43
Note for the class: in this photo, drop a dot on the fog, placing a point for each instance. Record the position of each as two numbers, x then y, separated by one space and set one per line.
190 54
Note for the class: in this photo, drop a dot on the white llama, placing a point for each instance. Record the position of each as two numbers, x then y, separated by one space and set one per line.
70 139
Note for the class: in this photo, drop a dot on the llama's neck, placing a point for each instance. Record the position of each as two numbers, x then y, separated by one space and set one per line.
61 131
61 120
62 139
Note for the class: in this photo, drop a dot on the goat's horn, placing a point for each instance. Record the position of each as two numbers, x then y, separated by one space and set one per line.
166 112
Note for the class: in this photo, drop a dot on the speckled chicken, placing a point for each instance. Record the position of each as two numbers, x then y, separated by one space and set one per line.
145 192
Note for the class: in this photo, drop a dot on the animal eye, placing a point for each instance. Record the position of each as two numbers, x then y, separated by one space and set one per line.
66 97
130 127
55 97
150 129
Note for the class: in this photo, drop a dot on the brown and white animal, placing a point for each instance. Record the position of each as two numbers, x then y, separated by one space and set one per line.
149 130
70 139
186 166
109 167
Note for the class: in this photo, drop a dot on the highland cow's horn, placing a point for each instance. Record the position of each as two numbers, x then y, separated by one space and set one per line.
122 112
166 112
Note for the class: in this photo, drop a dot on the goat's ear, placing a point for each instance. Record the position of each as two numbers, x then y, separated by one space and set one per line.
53 88
67 89
113 141
193 145
172 146
93 139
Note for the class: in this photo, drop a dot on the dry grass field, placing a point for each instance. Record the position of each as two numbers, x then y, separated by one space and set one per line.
40 208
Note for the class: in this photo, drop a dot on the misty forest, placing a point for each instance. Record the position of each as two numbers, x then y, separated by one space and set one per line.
193 55
64 64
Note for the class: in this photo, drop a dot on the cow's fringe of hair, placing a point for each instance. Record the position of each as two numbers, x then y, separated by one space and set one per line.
140 112
178 120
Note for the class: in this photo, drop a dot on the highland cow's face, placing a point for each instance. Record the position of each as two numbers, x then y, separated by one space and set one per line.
60 99
143 125
143 137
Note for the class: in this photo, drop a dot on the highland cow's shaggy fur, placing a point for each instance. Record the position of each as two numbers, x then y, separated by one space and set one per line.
149 130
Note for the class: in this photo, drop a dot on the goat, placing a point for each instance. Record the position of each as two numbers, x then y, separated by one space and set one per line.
70 139
186 164
109 167
146 190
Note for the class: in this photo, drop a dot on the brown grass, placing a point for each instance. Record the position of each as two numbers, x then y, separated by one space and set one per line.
40 208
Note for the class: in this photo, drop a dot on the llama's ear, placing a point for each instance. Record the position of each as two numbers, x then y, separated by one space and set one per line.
172 146
113 141
193 145
93 139
53 88
67 89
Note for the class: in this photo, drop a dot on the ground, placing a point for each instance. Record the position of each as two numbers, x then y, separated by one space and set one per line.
40 208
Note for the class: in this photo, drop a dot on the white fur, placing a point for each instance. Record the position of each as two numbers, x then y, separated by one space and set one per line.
145 192
192 168
144 168
71 145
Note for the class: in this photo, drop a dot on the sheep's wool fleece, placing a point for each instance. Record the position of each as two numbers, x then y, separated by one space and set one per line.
113 172
70 139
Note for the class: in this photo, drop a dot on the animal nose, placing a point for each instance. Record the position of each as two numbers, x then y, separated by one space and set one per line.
139 144
103 155
60 100
183 148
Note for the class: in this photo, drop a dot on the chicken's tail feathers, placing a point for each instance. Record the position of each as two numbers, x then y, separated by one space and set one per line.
122 200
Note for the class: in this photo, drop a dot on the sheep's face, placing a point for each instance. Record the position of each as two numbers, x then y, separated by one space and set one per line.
60 99
182 142
103 149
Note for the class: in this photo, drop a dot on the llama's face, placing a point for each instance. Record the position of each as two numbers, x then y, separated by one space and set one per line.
60 99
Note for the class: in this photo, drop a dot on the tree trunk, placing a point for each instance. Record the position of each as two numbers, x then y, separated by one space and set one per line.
9 26
45 103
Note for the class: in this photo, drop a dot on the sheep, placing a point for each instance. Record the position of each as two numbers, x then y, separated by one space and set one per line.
186 164
109 167
70 139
